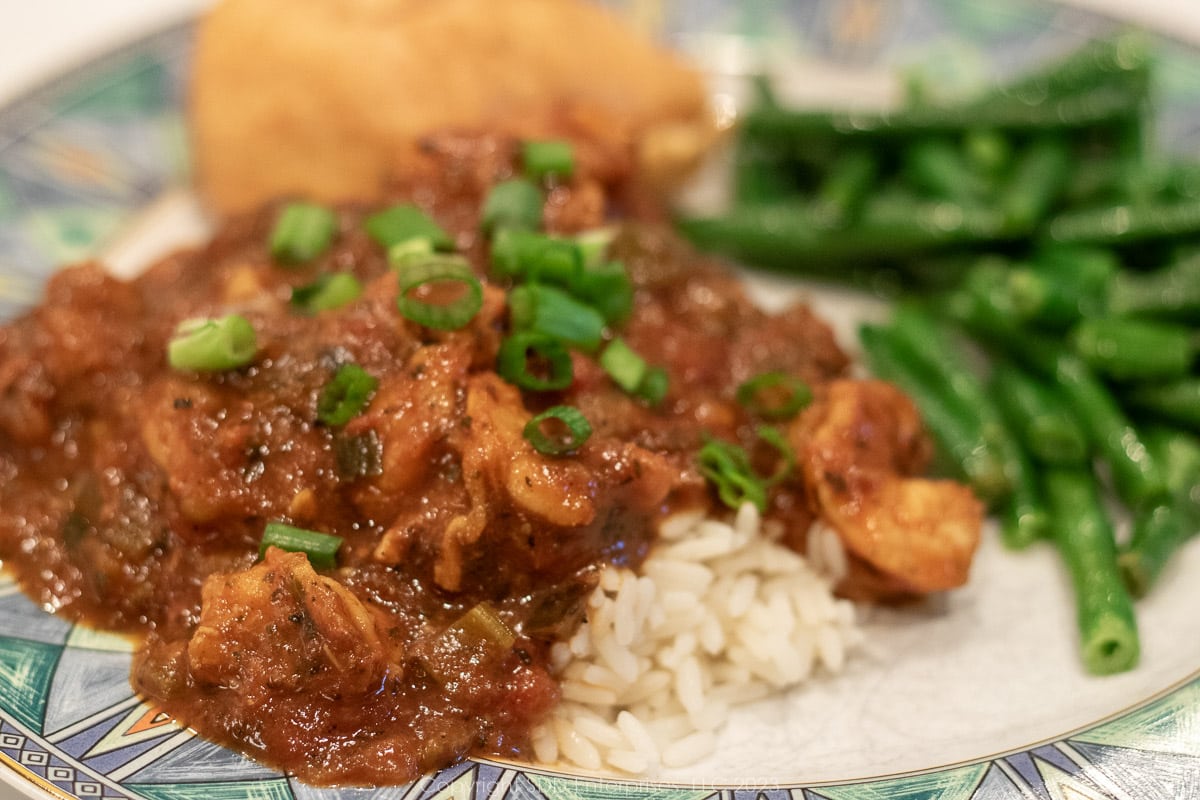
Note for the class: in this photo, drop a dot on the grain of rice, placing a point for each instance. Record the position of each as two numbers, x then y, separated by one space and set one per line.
679 576
742 595
711 635
560 656
591 695
667 728
572 744
610 580
689 749
689 686
599 675
637 735
630 761
747 520
598 731
680 525
580 644
649 684
711 715
545 744
625 613
617 658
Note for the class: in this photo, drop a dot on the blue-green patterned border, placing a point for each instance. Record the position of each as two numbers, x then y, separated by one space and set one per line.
79 156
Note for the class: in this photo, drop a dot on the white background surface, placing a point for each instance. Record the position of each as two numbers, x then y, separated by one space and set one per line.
38 38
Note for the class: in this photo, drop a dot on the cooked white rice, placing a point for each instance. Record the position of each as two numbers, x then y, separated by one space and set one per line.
721 615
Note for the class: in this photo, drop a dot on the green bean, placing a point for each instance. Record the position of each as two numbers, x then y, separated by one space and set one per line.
1179 453
1159 533
1124 57
939 169
1128 349
1126 224
1104 611
759 175
1023 518
792 236
1035 413
990 152
924 342
1091 108
1172 292
959 437
846 185
1177 402
1063 284
1037 179
1138 478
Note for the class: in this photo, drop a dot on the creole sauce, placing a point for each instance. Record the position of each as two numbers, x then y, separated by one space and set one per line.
134 496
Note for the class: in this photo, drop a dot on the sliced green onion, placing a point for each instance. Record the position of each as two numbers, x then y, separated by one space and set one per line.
409 250
774 395
593 245
534 256
577 430
346 394
439 274
606 288
623 365
302 232
321 548
654 386
787 455
551 311
548 158
535 361
404 223
727 468
210 345
327 293
515 203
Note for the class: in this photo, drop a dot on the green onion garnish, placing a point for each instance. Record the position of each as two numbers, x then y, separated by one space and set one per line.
535 361
210 345
606 287
623 365
515 203
594 244
532 256
439 276
321 548
553 312
404 223
346 394
408 251
548 158
774 395
728 468
327 293
574 430
654 385
787 455
302 232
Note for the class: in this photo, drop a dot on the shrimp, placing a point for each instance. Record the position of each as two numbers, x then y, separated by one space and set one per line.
859 447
